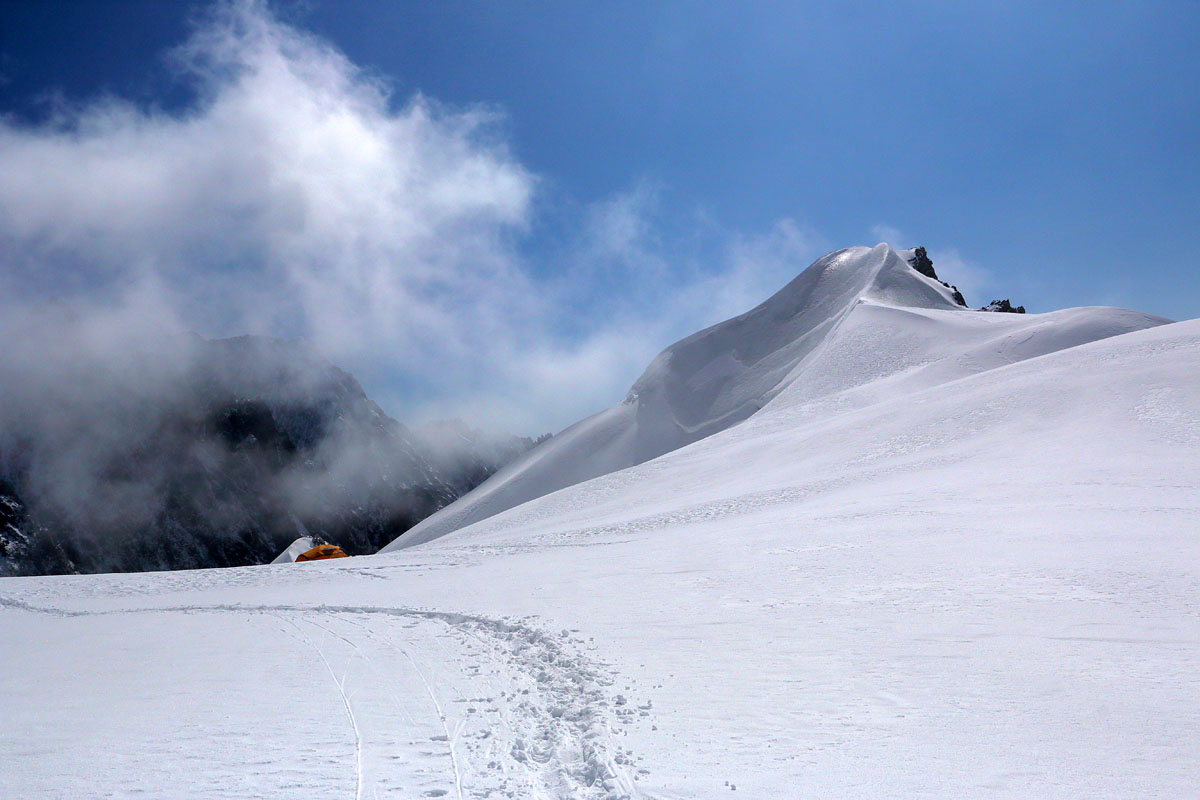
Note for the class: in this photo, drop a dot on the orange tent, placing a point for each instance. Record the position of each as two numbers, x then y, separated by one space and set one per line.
321 551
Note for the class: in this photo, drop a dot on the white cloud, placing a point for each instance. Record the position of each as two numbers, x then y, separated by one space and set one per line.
297 197
882 232
292 193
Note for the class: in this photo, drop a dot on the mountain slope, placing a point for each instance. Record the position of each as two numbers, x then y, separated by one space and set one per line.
981 588
854 316
214 453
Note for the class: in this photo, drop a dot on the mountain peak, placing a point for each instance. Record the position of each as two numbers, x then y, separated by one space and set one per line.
835 282
854 321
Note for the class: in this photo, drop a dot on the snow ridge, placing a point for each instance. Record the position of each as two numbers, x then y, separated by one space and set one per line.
852 319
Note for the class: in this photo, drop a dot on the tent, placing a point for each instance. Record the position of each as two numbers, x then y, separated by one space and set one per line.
309 548
320 552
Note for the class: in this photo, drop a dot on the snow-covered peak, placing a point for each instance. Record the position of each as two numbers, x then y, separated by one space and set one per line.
855 326
723 373
835 281
896 282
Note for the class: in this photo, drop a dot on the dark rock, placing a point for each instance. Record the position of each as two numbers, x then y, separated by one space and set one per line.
1003 307
14 539
922 263
24 543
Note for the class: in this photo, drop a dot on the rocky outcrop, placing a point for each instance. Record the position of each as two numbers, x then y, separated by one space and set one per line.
922 263
23 542
1003 307
14 540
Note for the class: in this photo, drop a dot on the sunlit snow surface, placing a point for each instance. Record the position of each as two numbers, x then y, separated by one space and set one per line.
899 579
852 318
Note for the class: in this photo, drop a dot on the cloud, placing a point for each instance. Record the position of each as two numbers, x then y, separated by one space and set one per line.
882 232
634 281
292 195
296 195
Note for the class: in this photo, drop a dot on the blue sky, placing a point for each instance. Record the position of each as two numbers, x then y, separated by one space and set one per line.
668 151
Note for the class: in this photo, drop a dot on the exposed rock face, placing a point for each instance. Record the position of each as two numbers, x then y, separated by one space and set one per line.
1003 307
14 538
255 443
922 263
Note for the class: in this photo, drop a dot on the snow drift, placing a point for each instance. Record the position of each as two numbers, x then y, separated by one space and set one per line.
852 318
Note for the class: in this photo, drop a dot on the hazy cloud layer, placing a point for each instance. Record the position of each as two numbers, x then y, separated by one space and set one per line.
297 196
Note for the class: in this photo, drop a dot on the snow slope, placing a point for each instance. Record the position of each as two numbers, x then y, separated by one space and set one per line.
950 577
854 316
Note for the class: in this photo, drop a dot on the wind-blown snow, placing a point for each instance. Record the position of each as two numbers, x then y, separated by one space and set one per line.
962 570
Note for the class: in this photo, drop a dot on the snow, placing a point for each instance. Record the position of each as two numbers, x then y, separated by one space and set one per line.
852 316
293 550
953 555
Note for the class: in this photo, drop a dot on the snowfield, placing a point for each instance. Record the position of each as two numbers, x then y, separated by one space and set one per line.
955 554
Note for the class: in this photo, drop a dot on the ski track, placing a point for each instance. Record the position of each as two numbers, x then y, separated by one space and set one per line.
437 706
341 687
548 733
